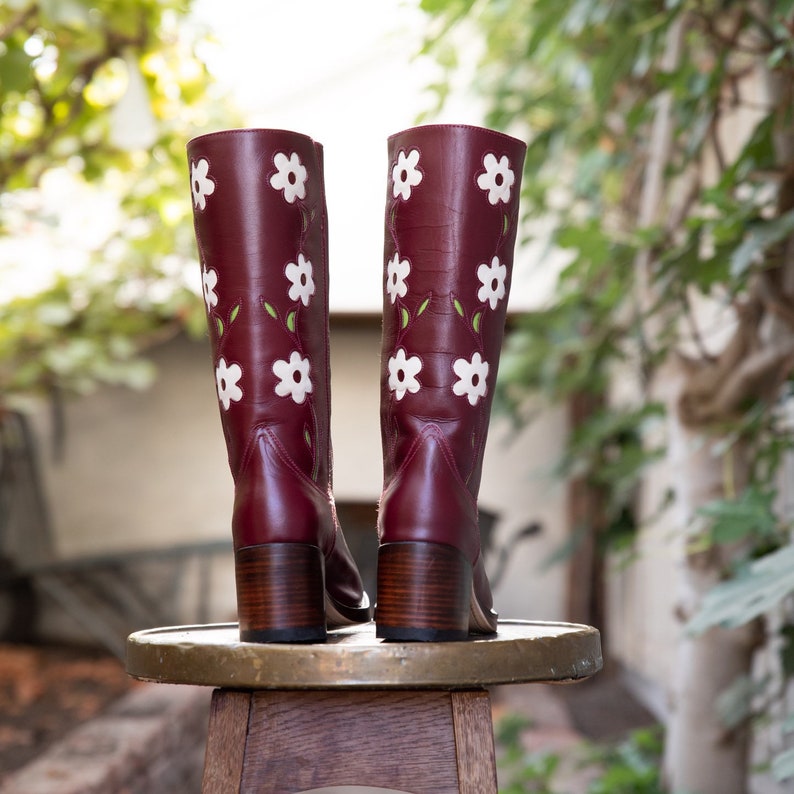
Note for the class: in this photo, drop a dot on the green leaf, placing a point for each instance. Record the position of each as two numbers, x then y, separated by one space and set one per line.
69 13
307 437
458 306
761 587
291 321
270 310
783 766
732 520
219 325
735 704
235 312
15 71
760 238
475 322
505 224
406 317
786 654
425 303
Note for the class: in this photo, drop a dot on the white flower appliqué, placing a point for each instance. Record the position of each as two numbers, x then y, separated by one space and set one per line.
226 377
291 176
201 185
472 378
405 175
402 374
492 277
293 375
209 280
301 280
498 178
396 273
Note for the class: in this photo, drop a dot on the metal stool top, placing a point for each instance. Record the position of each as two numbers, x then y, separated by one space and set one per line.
353 658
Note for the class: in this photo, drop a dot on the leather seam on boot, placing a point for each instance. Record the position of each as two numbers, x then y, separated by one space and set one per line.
433 431
281 452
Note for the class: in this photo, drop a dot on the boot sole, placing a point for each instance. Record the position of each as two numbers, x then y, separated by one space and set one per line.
426 594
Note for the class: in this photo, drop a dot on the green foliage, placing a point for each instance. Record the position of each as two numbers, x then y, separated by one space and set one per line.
533 775
522 772
750 517
783 764
757 588
631 766
581 81
659 162
628 766
98 100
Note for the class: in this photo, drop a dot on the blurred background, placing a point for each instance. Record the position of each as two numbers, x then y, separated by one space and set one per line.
638 471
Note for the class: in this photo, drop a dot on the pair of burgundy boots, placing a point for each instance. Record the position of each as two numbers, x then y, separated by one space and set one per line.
262 233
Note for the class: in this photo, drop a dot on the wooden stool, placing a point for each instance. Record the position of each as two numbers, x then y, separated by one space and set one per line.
414 717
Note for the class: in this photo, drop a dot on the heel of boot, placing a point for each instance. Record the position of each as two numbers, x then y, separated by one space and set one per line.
280 593
424 592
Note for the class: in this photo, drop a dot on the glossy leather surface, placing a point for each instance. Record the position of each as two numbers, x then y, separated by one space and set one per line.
442 228
258 218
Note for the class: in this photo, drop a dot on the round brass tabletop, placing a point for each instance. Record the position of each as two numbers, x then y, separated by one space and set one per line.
353 658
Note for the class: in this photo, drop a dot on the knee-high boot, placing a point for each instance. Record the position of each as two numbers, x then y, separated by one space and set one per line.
451 218
260 222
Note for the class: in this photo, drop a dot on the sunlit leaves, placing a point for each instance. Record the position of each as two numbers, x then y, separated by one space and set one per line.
64 69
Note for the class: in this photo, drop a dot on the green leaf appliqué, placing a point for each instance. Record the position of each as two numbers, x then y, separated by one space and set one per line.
291 321
424 305
458 306
270 310
235 312
475 322
406 317
219 324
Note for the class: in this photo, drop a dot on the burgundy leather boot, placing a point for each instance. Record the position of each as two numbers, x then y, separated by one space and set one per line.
260 221
451 218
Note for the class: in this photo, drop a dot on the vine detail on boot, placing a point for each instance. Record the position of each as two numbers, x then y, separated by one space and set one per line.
201 185
497 183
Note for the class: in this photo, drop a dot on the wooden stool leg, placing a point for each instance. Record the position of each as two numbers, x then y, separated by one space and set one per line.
476 757
282 742
225 751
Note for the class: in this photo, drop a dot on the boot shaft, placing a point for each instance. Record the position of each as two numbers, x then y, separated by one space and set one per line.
451 222
260 223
